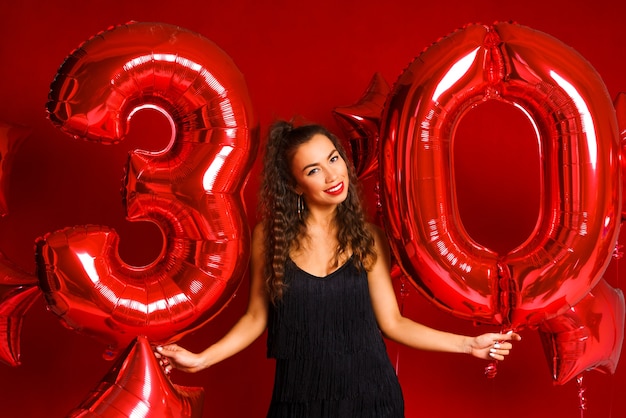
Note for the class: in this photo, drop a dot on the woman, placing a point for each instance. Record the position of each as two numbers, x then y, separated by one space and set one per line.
320 282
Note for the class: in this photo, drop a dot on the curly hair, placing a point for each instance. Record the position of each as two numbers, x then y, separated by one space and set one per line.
284 226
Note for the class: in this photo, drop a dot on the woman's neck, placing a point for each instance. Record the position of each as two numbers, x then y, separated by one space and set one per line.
318 219
317 251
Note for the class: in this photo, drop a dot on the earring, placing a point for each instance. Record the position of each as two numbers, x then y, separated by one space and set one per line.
300 205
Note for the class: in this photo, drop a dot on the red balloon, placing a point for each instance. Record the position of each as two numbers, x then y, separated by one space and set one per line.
192 189
578 143
18 292
361 122
589 336
136 386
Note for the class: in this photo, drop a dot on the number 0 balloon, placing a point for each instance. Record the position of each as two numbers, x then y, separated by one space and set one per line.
578 146
191 189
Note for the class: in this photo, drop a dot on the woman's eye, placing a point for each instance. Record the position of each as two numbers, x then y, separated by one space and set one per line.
313 171
334 158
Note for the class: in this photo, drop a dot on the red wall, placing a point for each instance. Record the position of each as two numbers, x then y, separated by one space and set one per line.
303 58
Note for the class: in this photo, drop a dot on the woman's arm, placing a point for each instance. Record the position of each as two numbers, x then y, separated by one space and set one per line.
405 331
249 327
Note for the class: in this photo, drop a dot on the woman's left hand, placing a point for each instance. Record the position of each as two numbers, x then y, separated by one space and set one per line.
492 345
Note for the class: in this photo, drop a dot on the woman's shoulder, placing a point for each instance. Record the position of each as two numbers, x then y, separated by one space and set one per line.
259 237
380 236
375 230
258 232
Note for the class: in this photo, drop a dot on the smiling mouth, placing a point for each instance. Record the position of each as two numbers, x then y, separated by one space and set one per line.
336 189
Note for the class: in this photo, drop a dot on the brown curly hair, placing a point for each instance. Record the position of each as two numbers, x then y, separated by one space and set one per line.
278 201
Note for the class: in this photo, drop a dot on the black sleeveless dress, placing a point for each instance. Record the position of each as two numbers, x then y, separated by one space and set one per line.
331 360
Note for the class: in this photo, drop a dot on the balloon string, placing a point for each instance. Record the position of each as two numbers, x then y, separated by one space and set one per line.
582 401
492 369
618 253
403 294
612 395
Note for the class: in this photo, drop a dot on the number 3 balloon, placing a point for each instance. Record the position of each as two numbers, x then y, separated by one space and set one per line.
191 189
580 204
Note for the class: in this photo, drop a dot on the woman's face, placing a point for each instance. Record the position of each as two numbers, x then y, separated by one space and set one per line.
321 174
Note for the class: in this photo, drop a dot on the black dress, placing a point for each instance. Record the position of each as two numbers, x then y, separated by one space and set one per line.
331 360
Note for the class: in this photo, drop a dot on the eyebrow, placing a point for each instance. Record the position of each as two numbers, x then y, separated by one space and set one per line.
306 167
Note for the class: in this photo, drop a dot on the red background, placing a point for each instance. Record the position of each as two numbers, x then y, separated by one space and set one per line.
304 58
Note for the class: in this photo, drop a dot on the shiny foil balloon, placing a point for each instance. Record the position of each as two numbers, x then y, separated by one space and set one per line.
361 122
192 189
580 192
137 387
588 336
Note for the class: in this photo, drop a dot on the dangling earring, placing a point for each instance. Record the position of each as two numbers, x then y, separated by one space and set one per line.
300 205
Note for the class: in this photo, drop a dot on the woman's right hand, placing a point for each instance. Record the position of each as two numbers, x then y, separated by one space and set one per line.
173 356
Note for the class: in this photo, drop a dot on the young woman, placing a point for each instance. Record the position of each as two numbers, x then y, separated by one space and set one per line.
320 282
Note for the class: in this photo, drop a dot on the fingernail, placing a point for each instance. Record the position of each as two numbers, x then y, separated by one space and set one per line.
510 332
159 348
496 345
492 350
492 355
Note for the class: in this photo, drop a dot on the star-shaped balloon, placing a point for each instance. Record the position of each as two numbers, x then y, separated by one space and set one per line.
137 386
18 291
589 336
361 123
